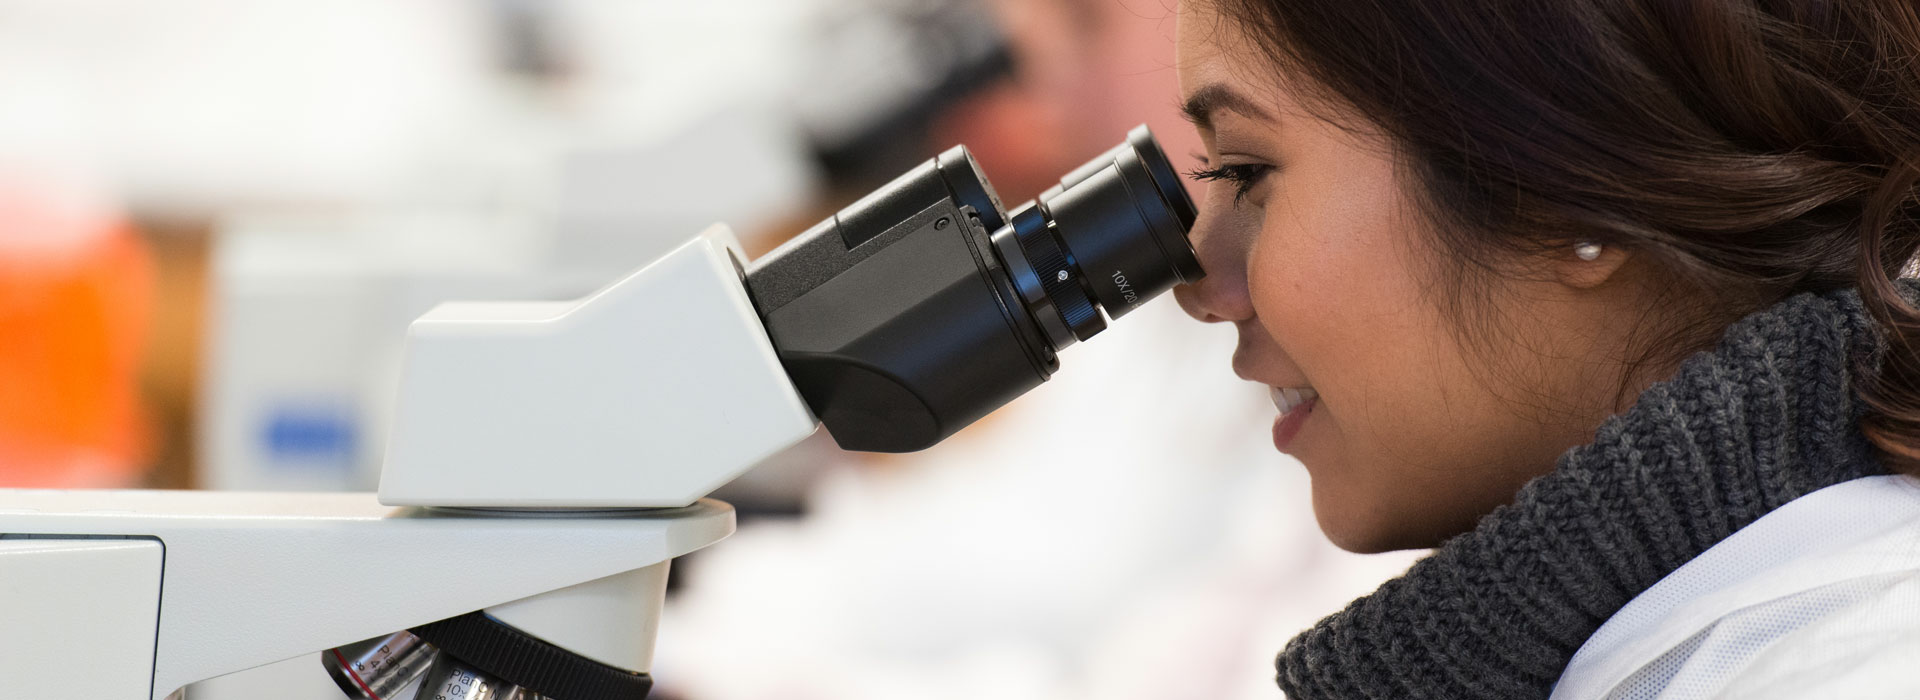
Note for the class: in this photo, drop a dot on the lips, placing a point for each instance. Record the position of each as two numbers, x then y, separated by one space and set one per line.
1288 399
1295 405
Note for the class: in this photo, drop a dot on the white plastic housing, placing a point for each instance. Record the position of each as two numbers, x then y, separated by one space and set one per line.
234 580
651 392
613 620
80 616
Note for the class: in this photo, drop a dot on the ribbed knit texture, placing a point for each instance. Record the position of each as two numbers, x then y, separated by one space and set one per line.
1766 417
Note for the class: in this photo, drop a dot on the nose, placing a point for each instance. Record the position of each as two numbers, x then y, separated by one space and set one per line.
1222 244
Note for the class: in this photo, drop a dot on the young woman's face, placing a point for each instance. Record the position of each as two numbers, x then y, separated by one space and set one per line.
1315 251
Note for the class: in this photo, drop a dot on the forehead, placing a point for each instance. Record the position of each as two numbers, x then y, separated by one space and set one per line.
1198 37
1211 53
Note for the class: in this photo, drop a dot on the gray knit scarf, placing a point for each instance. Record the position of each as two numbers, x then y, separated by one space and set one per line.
1766 417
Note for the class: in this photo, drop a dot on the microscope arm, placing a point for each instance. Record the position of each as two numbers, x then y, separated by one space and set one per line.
253 578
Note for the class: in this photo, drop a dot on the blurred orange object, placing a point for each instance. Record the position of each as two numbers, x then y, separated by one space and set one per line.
76 296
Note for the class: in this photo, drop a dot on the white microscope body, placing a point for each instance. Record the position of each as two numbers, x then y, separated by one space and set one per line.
547 462
547 459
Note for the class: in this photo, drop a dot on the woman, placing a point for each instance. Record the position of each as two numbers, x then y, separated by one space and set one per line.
1599 297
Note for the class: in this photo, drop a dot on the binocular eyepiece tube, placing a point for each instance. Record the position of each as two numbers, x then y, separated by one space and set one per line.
926 305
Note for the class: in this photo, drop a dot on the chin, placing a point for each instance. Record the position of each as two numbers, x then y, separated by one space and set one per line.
1358 540
1363 528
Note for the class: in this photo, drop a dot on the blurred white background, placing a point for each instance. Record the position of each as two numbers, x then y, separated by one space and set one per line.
217 218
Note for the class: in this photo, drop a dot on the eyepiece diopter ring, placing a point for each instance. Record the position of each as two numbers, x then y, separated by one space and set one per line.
1059 276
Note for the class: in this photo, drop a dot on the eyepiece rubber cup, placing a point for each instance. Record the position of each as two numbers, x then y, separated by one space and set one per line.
1122 220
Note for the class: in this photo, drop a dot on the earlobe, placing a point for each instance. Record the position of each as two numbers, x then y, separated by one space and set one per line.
1586 265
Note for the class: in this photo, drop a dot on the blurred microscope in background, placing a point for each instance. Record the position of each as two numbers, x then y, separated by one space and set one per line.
309 177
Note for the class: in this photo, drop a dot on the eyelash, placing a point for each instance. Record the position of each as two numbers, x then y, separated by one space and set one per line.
1243 177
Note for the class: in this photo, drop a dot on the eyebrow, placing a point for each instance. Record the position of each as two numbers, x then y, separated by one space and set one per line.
1213 97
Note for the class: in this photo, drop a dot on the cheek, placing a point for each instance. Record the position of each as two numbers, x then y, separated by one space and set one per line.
1338 279
1409 442
1332 277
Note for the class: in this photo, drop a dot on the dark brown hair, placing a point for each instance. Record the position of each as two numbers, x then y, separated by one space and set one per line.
1754 149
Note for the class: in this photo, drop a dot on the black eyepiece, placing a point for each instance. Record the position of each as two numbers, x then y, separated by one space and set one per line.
1120 223
925 305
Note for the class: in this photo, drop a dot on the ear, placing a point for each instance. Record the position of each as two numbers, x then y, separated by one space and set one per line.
1574 272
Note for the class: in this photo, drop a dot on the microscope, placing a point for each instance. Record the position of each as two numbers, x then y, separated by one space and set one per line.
548 460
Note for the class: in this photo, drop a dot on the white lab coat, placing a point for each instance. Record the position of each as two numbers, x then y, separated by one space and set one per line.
1818 599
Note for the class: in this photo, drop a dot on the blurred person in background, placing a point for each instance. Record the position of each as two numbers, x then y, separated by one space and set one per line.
1600 298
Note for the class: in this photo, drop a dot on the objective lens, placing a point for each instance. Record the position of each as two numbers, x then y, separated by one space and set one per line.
378 668
453 679
1110 236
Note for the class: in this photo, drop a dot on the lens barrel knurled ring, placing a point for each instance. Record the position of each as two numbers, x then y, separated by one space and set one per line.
1056 272
530 662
